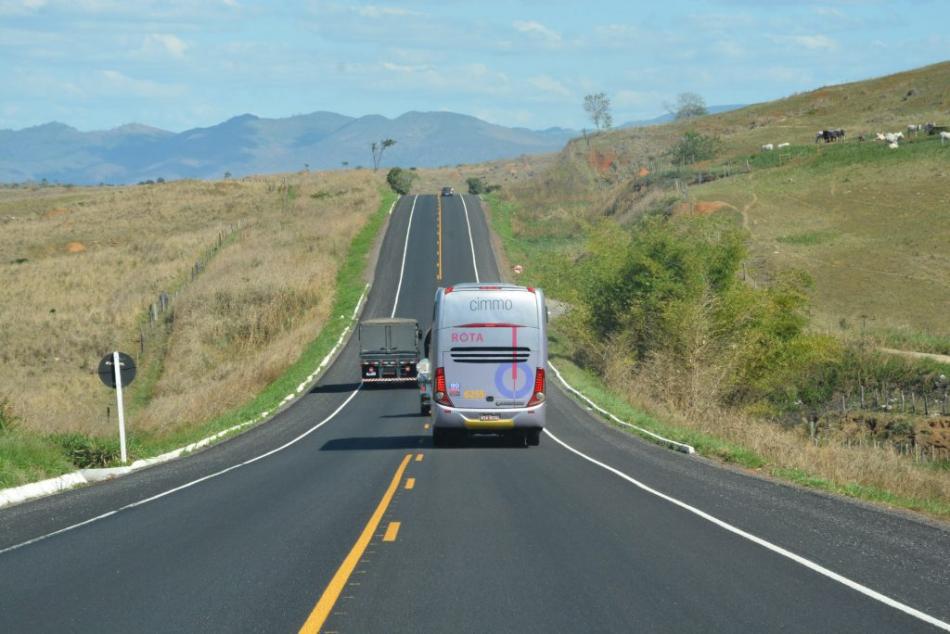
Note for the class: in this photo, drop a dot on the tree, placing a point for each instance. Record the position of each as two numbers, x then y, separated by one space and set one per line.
227 175
477 186
400 180
378 149
694 147
688 105
597 107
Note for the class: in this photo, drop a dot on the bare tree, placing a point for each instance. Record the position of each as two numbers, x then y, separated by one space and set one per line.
687 106
597 107
378 149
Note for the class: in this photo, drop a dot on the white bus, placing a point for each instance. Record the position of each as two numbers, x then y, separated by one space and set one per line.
488 349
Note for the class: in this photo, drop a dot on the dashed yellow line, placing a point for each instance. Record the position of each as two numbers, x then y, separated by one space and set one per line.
426 426
332 592
410 484
419 457
391 531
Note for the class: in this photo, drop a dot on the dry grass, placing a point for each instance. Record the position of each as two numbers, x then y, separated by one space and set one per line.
235 327
832 459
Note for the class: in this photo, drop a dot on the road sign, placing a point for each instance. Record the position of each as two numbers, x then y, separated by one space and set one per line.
116 370
126 369
519 269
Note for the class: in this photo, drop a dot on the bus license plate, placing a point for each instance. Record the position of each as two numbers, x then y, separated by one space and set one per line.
489 417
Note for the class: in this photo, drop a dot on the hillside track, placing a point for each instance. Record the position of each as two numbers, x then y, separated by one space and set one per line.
489 537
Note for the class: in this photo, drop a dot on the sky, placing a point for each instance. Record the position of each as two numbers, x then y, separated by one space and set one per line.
97 64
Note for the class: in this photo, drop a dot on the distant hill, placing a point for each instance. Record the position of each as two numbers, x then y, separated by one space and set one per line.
666 118
248 144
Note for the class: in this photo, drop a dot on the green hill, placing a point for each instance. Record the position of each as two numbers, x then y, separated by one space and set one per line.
870 224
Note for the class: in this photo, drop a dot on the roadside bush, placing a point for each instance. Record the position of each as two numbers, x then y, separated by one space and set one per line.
694 147
400 180
478 186
8 421
664 301
87 451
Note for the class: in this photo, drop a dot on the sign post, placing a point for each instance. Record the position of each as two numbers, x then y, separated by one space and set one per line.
116 367
115 370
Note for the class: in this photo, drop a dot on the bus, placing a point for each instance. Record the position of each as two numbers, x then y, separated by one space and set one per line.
488 348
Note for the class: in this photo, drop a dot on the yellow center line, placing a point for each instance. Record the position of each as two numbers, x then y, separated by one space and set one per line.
426 426
391 531
410 483
438 274
332 592
419 457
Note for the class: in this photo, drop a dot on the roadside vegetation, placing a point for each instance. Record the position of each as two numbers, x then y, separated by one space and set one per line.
738 298
255 276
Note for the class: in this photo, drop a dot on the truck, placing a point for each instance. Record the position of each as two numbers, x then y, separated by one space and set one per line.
389 350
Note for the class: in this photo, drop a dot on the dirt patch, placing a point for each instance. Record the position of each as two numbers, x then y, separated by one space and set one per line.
56 212
701 207
75 247
601 161
643 173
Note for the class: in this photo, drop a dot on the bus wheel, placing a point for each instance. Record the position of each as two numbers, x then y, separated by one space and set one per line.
533 437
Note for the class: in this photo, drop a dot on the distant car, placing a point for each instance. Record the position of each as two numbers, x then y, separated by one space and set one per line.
448 191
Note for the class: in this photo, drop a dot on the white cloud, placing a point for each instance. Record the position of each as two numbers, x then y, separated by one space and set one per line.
116 82
20 7
538 30
812 42
373 11
156 44
728 48
547 84
406 68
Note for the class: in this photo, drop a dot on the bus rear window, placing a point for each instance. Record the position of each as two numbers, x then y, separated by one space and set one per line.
518 308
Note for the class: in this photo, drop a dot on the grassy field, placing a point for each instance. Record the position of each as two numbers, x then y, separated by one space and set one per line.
279 257
869 224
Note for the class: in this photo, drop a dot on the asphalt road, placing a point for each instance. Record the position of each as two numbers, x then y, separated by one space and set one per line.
490 538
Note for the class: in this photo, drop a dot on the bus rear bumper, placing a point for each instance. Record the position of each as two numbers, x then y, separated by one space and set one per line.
488 420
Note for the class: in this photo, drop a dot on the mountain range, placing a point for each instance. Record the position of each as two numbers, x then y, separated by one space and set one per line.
248 144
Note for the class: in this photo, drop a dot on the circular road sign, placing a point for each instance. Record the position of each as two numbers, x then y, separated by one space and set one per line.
126 370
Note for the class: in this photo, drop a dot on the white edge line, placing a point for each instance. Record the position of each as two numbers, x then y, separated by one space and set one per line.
854 585
405 249
32 490
393 206
189 484
678 446
470 241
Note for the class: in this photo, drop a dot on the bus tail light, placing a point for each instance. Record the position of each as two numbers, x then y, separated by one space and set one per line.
441 395
537 397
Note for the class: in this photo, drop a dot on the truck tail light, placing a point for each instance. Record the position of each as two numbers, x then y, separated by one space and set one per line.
441 395
537 397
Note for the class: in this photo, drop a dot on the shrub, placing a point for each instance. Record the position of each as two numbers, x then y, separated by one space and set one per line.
8 421
400 180
694 147
478 186
87 451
